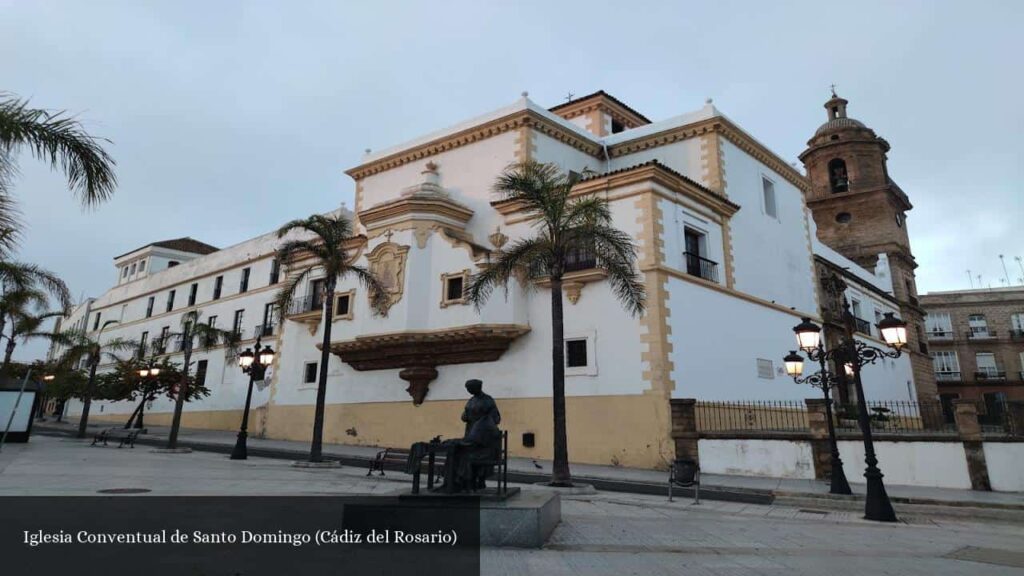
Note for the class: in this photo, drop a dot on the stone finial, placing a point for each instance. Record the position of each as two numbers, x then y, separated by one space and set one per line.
367 151
497 238
709 101
525 94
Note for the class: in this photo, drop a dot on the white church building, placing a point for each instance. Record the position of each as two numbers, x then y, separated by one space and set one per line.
728 250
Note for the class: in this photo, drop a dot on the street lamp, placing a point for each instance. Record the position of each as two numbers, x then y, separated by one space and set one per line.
255 365
144 372
854 355
822 380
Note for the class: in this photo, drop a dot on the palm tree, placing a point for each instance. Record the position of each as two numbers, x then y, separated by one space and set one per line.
208 336
568 231
55 138
326 243
24 327
79 345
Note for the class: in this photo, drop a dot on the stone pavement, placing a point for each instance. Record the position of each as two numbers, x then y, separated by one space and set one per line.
624 479
605 533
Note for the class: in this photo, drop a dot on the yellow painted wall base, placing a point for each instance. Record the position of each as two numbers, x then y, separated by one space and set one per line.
607 430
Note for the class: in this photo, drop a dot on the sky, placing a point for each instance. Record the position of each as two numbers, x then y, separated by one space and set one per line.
228 118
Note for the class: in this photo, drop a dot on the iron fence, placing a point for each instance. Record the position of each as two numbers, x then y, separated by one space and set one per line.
306 304
994 418
697 265
752 416
898 416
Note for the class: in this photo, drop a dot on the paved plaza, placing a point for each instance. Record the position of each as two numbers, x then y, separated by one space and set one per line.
606 533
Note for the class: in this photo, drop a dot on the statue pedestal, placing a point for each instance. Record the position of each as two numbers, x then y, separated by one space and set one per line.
519 519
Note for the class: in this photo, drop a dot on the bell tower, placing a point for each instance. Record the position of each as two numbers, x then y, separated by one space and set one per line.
861 213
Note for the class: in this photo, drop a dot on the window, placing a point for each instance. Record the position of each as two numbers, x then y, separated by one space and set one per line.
695 256
173 263
236 326
200 373
343 305
96 322
124 272
938 325
162 345
142 266
149 306
987 367
309 377
768 193
218 285
269 315
946 400
192 294
275 271
132 269
317 288
243 285
995 406
947 365
452 286
837 178
576 353
143 340
617 126
170 300
1017 325
765 369
899 219
978 326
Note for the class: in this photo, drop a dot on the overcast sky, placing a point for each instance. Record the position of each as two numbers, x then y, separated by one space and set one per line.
229 118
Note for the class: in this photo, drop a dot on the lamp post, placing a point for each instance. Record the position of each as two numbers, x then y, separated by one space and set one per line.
855 355
144 373
822 380
255 365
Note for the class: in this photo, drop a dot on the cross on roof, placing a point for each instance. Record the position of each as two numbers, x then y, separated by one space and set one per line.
569 97
834 90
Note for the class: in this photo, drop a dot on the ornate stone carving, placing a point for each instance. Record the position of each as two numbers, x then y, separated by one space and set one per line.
387 263
572 291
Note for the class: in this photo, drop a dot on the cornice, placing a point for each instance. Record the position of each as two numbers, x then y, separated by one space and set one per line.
521 118
406 207
729 131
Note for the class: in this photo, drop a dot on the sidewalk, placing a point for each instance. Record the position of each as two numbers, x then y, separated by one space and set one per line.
749 489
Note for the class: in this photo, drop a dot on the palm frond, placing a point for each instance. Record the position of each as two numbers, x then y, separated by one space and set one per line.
286 294
24 276
528 256
61 141
380 300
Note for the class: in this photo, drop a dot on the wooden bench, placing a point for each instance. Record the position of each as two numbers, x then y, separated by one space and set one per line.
126 436
395 457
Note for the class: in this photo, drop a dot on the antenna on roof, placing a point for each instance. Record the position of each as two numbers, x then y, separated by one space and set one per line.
569 97
1005 273
970 278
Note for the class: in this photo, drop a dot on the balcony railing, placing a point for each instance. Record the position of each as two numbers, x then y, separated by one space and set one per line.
580 260
1017 334
998 375
701 267
862 326
309 303
980 334
948 376
263 330
940 335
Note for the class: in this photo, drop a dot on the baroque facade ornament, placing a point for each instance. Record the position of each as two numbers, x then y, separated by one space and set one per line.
388 263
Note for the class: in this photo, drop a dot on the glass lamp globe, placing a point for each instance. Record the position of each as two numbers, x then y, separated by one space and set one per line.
808 335
144 372
246 358
848 368
794 364
894 331
154 371
267 356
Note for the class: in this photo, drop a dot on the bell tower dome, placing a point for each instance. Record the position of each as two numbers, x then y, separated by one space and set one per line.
861 213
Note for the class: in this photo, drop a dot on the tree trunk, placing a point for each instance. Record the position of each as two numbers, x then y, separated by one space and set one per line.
179 400
316 449
87 401
8 353
560 475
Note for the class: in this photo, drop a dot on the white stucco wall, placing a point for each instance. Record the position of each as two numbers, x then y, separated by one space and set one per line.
772 458
1005 461
938 464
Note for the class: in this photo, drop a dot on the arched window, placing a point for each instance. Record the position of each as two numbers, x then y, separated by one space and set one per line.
837 176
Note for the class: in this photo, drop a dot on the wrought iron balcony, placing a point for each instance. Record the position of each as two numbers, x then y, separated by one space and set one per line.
580 260
1017 334
264 330
940 335
862 326
980 334
697 265
310 303
990 374
948 376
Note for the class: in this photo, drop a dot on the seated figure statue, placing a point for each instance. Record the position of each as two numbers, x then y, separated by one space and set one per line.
470 460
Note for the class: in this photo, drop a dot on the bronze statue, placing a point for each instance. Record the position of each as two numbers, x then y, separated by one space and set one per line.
470 460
